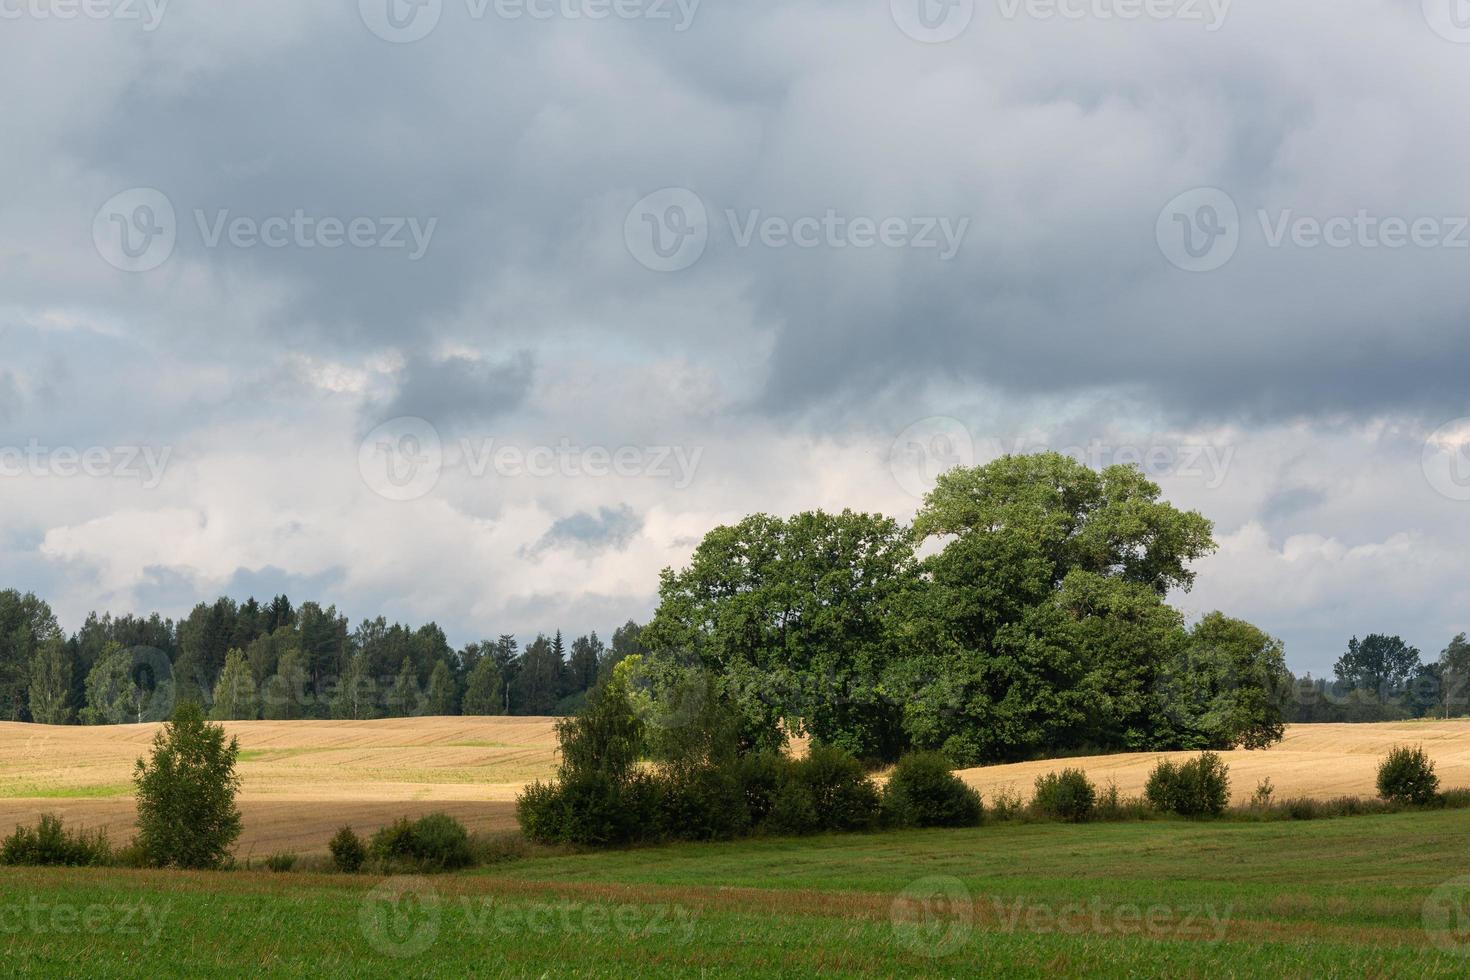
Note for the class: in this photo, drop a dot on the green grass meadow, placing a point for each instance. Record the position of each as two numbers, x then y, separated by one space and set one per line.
1373 896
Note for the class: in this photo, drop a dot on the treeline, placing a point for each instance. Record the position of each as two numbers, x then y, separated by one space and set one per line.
1382 678
275 660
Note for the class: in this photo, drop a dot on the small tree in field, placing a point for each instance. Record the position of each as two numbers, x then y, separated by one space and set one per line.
186 794
1407 776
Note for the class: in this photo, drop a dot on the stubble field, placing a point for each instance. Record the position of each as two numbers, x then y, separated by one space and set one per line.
303 779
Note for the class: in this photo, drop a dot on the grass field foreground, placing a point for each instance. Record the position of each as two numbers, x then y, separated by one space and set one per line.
1379 896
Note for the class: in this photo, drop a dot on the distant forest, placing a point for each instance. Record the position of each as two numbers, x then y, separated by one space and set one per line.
275 660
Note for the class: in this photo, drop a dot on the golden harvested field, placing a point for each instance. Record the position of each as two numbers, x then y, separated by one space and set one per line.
301 780
1320 761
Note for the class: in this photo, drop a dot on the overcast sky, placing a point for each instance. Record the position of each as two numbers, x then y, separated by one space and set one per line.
486 310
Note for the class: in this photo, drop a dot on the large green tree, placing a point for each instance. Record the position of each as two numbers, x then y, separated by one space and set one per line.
795 615
50 693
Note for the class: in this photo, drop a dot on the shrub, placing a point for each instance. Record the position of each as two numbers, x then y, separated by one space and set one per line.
436 842
707 803
590 808
924 792
760 775
282 862
793 811
1407 776
841 792
499 848
1261 798
186 794
1113 805
348 851
1066 795
1005 804
49 843
1197 788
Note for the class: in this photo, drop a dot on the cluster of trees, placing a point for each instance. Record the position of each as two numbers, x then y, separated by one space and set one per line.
1382 678
1022 615
275 660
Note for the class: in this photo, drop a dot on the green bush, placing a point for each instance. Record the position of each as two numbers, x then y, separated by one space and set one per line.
436 842
186 794
49 843
924 792
1067 795
841 792
793 810
348 851
592 809
1407 776
707 803
282 862
1197 788
760 775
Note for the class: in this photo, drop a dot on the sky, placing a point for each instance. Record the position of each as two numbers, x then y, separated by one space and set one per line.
485 311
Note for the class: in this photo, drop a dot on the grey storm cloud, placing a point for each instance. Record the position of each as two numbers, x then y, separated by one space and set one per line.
525 145
609 528
460 390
